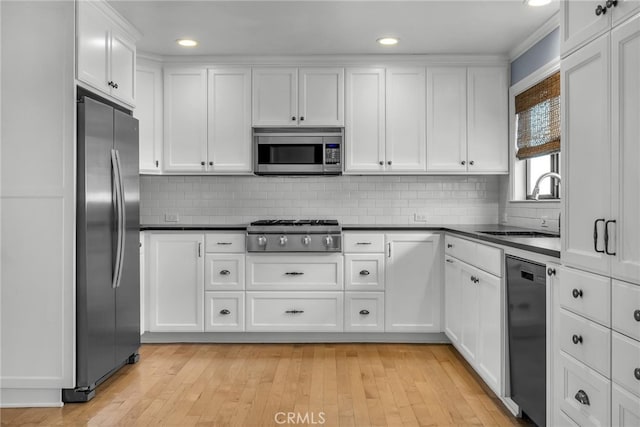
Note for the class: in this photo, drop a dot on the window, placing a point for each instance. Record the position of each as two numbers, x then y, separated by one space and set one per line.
538 136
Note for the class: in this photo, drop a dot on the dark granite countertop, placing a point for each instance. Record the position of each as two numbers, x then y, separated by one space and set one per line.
543 245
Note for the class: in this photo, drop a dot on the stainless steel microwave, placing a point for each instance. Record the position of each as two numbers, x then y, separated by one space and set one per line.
298 151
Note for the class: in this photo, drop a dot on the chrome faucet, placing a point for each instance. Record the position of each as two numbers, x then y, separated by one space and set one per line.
536 189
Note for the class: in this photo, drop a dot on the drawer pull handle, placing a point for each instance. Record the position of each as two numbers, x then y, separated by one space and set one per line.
294 311
582 397
225 312
551 271
364 273
363 243
366 312
577 339
449 245
450 261
636 373
225 273
577 293
223 243
294 273
636 315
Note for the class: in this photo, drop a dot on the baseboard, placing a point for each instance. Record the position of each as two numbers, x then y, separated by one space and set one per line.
30 398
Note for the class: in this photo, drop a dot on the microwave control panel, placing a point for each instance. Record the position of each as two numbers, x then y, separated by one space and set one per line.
332 154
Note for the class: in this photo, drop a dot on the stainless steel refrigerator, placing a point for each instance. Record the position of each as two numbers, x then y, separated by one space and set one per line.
107 239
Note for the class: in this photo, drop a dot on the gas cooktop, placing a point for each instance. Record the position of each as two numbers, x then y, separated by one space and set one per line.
297 222
289 235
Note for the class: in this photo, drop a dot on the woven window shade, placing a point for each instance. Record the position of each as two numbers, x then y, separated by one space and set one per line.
538 119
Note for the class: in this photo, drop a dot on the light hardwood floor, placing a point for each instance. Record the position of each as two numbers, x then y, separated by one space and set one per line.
258 384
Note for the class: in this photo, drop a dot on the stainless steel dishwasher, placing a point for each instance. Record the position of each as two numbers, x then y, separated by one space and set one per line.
527 314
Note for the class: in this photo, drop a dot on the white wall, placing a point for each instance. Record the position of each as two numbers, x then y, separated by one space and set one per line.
350 199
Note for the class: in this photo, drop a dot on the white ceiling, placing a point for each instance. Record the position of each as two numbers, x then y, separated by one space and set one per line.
301 27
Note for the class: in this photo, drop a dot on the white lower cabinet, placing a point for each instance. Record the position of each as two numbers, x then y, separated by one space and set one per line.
224 272
224 311
295 311
176 280
296 272
364 272
364 312
625 408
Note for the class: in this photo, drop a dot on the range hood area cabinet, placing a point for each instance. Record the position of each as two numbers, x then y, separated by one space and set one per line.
106 51
298 96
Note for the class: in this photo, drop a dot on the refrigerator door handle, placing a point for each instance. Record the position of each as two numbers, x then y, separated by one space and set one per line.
117 184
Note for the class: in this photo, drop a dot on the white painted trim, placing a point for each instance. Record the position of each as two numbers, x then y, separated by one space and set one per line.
516 167
293 337
544 30
30 398
118 19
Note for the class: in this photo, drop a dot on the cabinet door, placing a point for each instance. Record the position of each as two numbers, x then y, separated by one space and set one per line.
579 23
625 104
624 9
365 120
489 355
93 46
224 272
413 282
469 313
406 148
586 156
364 272
321 97
185 120
176 283
148 111
625 408
229 120
487 120
364 312
452 299
224 311
123 67
447 119
275 97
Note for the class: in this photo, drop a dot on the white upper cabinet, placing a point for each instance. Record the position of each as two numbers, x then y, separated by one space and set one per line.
467 119
582 21
185 119
298 97
447 119
106 51
321 96
487 120
365 120
148 111
229 120
405 148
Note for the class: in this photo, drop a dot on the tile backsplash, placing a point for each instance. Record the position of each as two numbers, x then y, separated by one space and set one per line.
527 214
350 199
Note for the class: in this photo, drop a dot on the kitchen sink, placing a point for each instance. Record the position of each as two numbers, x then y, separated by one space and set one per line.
520 233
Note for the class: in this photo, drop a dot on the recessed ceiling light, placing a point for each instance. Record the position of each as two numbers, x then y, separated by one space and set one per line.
187 42
388 41
537 2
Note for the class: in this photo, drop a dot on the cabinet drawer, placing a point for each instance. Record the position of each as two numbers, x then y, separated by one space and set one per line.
626 316
295 311
363 242
224 311
225 242
295 272
625 408
459 248
364 312
224 272
586 341
489 259
577 382
364 272
586 294
625 355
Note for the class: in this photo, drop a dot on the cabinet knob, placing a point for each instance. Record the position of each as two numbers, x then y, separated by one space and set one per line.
364 312
636 373
389 162
577 293
577 339
203 163
115 85
381 163
611 3
110 83
301 118
471 162
293 118
600 10
364 273
225 312
581 396
225 273
210 163
463 163
551 271
449 245
636 315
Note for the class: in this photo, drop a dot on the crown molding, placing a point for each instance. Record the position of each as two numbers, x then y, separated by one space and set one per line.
545 29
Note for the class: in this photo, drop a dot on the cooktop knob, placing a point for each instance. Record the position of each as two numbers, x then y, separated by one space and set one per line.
328 240
262 240
283 240
306 240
